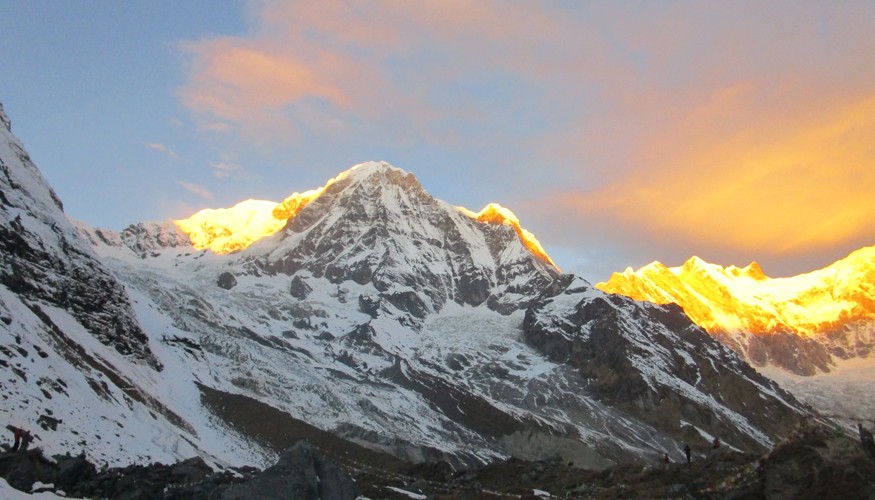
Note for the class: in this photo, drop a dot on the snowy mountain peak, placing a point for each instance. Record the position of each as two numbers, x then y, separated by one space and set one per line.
494 213
366 169
372 194
375 223
373 174
227 230
752 270
694 264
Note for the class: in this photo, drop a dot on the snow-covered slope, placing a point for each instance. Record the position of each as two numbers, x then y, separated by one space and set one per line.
386 317
43 259
397 320
82 365
796 323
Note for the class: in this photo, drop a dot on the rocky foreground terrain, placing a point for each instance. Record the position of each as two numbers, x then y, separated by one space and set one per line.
815 461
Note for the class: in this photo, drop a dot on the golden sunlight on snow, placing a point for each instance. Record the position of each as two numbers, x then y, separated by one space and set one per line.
497 214
746 300
227 230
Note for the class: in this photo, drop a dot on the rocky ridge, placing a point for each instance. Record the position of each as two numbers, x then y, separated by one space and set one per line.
43 261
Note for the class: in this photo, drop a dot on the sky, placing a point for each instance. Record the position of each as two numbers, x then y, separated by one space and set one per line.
618 132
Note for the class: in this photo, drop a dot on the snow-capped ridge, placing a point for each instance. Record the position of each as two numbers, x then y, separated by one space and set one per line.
833 307
4 119
239 227
752 270
494 213
227 230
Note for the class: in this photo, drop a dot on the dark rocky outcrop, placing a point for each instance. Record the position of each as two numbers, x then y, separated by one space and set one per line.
301 472
43 257
227 281
812 461
299 288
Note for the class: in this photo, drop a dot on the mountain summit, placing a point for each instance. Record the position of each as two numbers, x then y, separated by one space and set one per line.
231 229
374 223
797 323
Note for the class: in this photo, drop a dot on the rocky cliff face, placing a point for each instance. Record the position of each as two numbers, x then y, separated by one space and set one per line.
44 261
796 323
654 362
79 369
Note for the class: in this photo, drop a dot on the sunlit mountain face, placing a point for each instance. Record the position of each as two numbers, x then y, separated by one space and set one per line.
797 322
494 213
227 230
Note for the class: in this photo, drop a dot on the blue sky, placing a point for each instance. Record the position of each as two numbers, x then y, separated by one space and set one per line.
619 132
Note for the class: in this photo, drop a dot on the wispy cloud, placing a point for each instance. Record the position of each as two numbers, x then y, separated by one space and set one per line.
196 189
222 170
164 149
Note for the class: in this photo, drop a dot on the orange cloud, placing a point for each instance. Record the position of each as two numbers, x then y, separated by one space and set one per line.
735 175
233 82
324 65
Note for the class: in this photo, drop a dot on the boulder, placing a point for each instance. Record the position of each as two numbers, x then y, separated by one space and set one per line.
299 288
227 281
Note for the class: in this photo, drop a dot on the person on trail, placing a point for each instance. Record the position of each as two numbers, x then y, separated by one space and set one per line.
716 443
865 436
687 452
17 442
26 438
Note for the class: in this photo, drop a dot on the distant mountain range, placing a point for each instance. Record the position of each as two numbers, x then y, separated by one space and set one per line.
375 316
797 323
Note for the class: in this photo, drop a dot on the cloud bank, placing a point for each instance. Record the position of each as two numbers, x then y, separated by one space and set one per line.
735 130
